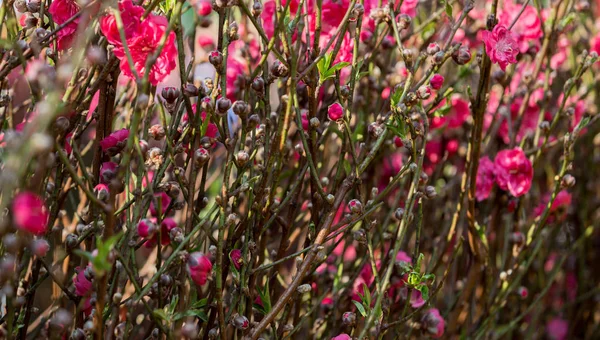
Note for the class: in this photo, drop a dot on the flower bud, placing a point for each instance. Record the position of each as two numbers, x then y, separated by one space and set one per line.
398 142
242 158
157 132
355 206
423 92
433 48
349 318
335 112
199 267
240 322
430 192
438 58
258 85
190 90
360 236
170 94
523 292
399 213
40 247
330 198
71 241
223 105
236 258
216 59
436 82
303 289
462 55
314 122
257 8
568 181
279 70
241 108
201 156
404 21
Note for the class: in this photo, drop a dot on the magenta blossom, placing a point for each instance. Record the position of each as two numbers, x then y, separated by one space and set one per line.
83 286
115 142
557 329
335 112
63 10
342 336
559 207
501 46
433 323
437 81
486 175
30 213
513 171
236 258
199 267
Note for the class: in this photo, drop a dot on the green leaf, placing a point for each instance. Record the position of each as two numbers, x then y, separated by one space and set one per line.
583 123
448 9
366 295
424 291
194 313
200 303
339 66
419 262
396 97
360 307
161 314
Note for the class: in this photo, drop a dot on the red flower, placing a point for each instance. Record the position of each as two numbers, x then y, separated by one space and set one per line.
115 142
29 213
199 267
63 10
486 174
513 171
501 46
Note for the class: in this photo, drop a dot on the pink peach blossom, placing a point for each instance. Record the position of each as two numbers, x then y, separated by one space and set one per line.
513 171
30 213
486 175
501 46
199 267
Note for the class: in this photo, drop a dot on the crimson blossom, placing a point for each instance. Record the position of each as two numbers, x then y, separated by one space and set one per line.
63 10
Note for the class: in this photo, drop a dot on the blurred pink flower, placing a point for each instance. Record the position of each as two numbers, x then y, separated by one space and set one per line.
557 329
559 207
63 10
199 267
83 286
455 118
434 323
30 213
436 82
513 171
527 29
342 336
501 46
115 142
236 258
131 16
486 175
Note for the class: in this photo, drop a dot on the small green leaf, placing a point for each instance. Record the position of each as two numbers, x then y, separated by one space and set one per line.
448 9
199 304
194 313
360 307
366 295
161 314
424 291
